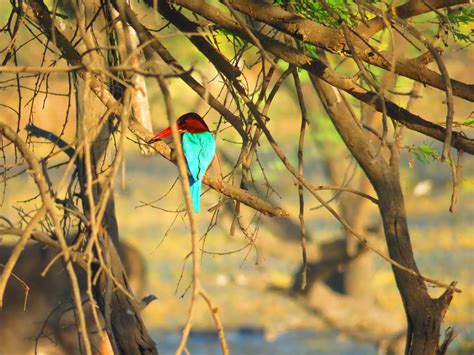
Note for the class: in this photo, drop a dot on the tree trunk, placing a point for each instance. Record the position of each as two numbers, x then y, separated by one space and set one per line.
424 314
125 329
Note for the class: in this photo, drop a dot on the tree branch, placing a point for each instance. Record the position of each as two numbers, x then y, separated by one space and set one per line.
115 107
324 37
180 21
404 11
51 210
322 71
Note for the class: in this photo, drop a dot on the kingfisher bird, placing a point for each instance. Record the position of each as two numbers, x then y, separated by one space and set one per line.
199 147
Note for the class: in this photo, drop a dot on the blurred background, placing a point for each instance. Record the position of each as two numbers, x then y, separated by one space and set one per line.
251 282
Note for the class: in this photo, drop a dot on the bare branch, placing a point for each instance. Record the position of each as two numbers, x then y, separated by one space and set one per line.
325 38
322 71
404 11
53 213
179 20
102 92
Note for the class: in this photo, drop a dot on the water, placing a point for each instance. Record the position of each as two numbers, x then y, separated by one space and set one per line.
252 342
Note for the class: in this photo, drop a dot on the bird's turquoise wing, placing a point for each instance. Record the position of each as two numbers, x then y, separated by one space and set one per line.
199 150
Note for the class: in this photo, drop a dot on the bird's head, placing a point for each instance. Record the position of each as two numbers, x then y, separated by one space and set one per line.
190 122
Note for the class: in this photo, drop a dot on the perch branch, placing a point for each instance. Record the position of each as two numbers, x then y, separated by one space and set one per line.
180 21
319 69
115 107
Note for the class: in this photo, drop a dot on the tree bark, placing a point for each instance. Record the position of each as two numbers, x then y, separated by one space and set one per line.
125 328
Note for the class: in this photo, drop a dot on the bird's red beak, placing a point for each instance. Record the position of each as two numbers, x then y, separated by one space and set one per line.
163 134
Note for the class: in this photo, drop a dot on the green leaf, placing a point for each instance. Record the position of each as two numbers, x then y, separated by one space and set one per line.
462 20
310 50
425 148
462 15
424 153
313 10
468 122
462 37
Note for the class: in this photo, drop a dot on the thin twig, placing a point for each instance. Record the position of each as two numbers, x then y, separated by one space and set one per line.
217 320
183 174
456 173
304 120
441 65
17 250
249 32
23 284
48 202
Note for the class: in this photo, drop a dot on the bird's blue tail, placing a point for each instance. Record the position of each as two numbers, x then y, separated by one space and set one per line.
195 187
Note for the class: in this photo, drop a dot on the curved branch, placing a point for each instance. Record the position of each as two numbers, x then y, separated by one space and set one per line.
50 208
408 9
179 20
105 96
18 249
324 37
316 67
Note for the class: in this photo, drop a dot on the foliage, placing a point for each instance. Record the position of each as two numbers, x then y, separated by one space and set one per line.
459 17
468 122
310 49
424 153
238 42
315 11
